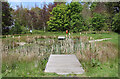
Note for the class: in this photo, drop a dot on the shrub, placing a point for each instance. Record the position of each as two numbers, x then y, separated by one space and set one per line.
18 29
116 23
98 21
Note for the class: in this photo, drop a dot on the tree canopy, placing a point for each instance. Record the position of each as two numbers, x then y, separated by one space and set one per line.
6 17
67 17
59 16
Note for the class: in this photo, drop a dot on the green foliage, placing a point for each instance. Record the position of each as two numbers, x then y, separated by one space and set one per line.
113 9
6 17
0 76
59 20
116 22
67 17
98 21
108 69
93 5
18 29
95 62
76 19
59 17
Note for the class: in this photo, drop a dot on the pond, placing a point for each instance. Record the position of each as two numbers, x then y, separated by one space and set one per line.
37 51
40 45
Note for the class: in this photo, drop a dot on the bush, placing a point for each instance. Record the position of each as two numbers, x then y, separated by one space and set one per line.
18 29
98 21
116 23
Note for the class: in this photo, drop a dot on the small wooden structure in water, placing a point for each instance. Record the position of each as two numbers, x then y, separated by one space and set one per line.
61 37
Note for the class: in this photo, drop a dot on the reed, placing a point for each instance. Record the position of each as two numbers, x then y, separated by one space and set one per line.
69 46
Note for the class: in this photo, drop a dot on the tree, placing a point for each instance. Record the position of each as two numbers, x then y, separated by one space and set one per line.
113 10
67 17
113 7
45 17
28 18
6 17
16 29
99 16
93 6
98 21
37 18
76 20
20 16
116 23
86 14
58 2
58 22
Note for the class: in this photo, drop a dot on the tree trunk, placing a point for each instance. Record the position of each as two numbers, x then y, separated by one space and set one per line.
44 26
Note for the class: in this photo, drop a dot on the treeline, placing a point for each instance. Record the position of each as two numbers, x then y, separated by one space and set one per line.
78 17
24 19
58 16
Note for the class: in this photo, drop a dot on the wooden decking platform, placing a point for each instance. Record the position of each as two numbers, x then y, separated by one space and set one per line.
64 64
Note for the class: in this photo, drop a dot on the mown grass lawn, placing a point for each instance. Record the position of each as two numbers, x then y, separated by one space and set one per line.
29 69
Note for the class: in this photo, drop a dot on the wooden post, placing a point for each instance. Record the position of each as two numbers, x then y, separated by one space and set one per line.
80 33
66 34
13 44
19 38
69 35
44 26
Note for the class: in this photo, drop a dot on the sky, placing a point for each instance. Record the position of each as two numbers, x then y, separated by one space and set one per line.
29 3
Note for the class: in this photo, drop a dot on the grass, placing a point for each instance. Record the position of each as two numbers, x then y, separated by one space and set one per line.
0 75
25 64
28 69
33 67
107 69
112 35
